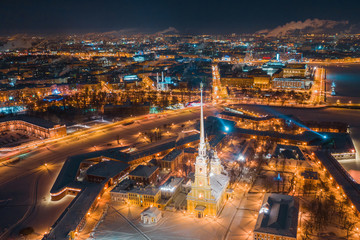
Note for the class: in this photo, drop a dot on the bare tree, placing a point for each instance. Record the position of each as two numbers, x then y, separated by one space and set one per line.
349 225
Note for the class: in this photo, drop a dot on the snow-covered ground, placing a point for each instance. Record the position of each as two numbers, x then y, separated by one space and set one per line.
236 221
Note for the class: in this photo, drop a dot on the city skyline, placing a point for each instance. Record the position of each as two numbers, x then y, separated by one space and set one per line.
196 17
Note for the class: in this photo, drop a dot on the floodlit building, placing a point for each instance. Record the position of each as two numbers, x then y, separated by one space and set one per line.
144 197
120 192
34 126
208 191
261 79
127 192
171 187
278 218
292 83
151 215
238 82
295 70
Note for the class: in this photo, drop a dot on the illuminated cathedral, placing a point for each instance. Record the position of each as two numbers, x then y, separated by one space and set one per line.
208 191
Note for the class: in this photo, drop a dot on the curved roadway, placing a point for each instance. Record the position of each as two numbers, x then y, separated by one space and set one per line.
21 206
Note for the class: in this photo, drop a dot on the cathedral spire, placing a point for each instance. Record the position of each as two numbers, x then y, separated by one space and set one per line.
202 144
202 134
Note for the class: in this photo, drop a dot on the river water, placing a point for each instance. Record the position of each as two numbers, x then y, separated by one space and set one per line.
347 80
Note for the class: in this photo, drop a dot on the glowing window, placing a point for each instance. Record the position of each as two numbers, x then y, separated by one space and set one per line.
201 195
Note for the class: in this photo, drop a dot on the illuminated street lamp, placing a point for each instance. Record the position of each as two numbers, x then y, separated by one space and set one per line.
241 158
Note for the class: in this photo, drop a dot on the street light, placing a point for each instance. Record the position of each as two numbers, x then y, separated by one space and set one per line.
241 158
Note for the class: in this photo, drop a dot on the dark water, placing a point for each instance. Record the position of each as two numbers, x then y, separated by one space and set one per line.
347 80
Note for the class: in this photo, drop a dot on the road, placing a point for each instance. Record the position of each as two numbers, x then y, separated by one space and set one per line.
23 206
317 90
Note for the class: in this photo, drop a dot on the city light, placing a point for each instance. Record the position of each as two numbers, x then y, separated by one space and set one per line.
264 209
241 158
119 127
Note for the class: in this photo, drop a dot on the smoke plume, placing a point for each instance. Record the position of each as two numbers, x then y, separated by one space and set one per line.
307 26
168 30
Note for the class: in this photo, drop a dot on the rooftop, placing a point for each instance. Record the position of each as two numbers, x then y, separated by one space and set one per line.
190 150
107 169
124 186
172 182
143 171
75 212
341 176
163 147
337 142
145 191
33 120
71 166
289 152
244 116
152 211
278 215
218 184
172 155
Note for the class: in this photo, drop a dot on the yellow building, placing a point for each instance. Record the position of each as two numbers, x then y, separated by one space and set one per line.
144 197
295 70
208 191
262 81
237 82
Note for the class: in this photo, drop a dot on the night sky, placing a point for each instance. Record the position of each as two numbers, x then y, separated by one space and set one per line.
188 16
